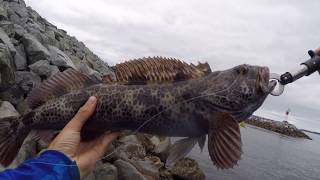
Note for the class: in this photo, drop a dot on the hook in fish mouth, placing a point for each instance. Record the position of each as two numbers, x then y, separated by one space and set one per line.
263 81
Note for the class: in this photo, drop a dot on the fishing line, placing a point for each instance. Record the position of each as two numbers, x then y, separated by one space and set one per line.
54 164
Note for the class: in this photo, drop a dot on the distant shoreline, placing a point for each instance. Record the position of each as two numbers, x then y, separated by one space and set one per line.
281 127
308 131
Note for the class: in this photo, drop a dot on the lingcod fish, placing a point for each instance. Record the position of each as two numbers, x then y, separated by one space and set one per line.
211 105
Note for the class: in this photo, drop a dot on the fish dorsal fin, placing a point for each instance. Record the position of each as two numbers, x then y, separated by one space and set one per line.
58 85
224 140
156 70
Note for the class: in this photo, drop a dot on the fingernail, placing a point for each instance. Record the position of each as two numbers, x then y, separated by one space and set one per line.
92 100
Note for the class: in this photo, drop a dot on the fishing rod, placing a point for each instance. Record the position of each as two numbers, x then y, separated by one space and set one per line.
305 69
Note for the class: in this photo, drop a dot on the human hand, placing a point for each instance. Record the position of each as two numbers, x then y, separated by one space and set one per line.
86 154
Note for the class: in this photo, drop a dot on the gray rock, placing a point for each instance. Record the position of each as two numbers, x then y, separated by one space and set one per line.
14 94
161 145
129 139
187 168
8 27
19 31
127 171
7 109
49 38
15 18
105 171
84 68
20 58
14 42
3 13
98 65
149 166
59 58
18 13
35 29
43 68
34 49
23 107
6 67
27 80
130 151
4 38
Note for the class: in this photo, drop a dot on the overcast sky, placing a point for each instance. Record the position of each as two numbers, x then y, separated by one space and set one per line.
273 33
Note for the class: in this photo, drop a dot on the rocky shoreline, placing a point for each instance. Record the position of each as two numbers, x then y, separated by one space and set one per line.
32 50
281 127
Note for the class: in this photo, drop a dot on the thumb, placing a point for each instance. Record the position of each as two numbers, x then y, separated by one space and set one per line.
82 115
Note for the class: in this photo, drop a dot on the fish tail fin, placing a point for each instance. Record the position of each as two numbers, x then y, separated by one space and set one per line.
12 135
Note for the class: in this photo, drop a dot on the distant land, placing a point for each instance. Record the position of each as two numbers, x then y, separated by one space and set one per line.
308 131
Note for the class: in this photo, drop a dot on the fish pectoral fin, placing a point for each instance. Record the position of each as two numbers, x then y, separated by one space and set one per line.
202 142
180 149
45 135
224 141
57 85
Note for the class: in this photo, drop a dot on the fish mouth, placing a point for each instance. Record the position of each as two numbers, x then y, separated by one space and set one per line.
263 82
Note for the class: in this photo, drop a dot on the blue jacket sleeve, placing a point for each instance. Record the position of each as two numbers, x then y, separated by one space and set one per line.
51 164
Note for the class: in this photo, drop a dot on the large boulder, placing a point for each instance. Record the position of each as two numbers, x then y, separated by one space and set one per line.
27 80
84 68
188 169
19 31
59 58
17 12
7 110
105 171
43 68
130 150
5 39
8 28
14 94
149 166
20 58
161 146
35 51
127 171
3 12
6 67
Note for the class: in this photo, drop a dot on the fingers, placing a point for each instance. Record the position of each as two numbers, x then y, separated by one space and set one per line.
82 115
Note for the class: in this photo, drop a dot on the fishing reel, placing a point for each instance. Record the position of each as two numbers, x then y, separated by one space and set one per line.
305 69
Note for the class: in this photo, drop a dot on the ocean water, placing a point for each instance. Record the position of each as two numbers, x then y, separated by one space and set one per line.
267 155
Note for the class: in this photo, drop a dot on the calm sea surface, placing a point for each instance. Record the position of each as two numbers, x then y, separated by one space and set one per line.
267 155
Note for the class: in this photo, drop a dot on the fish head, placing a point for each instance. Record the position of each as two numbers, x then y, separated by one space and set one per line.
240 90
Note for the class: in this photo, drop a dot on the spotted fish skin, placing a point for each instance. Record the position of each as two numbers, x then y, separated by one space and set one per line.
165 107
